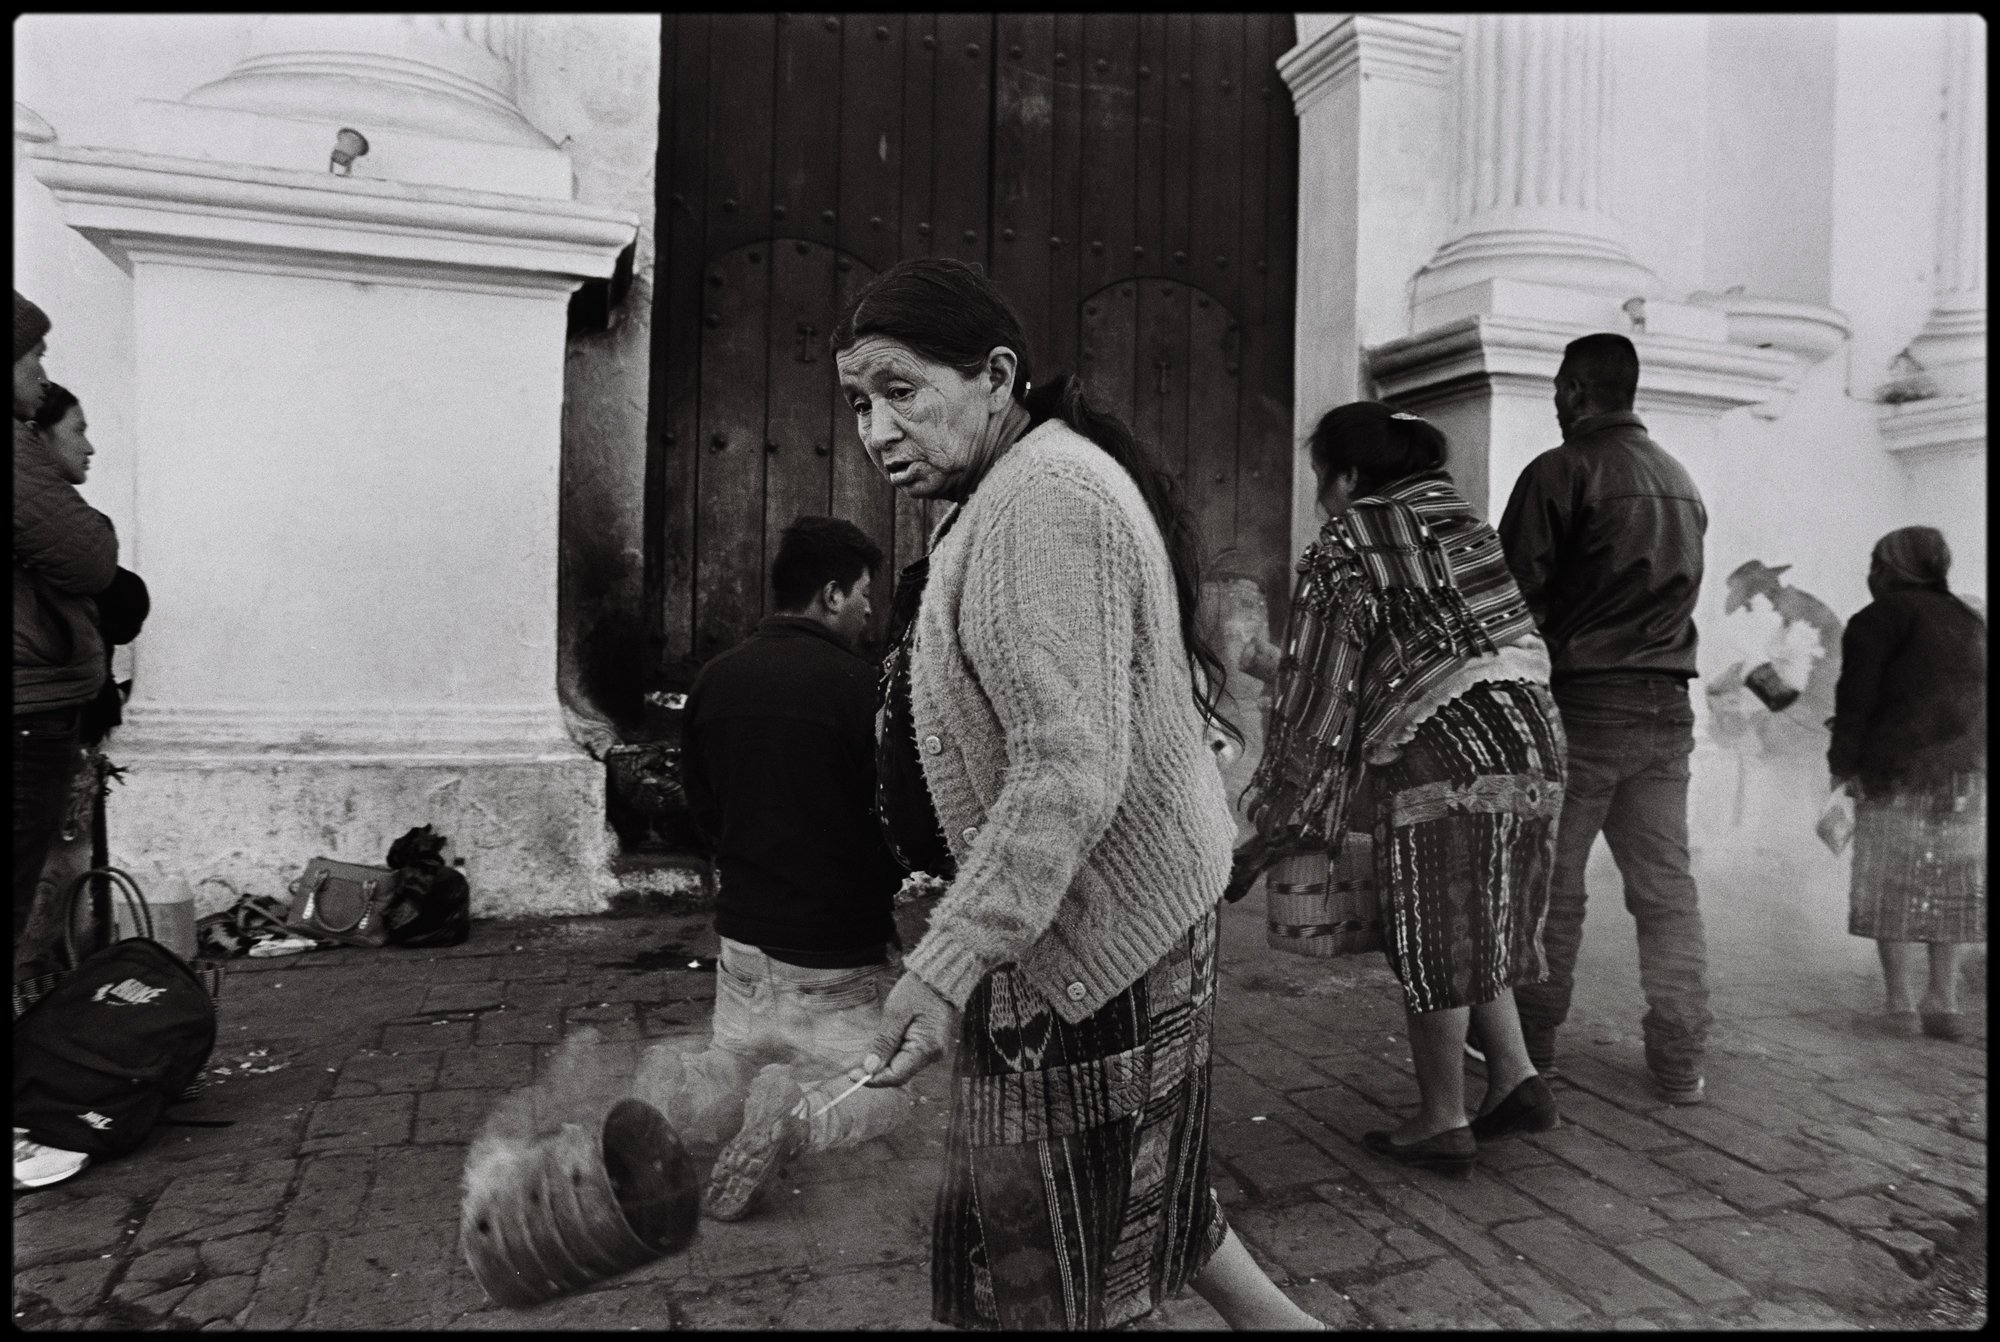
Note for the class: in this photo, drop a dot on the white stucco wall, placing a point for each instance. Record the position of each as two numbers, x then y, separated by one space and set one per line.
84 74
589 82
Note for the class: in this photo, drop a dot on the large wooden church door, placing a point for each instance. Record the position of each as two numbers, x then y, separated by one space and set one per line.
1129 181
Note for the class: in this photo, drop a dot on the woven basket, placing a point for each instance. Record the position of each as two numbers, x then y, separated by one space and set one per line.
1321 908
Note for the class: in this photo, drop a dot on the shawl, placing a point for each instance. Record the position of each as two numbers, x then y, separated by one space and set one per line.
1395 600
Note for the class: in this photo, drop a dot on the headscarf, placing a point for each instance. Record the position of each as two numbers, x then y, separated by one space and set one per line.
1914 557
30 325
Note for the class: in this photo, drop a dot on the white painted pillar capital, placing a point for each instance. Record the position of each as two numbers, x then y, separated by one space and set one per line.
432 94
1530 197
439 74
1952 347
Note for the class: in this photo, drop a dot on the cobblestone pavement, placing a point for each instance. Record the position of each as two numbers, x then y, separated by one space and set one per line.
1811 1191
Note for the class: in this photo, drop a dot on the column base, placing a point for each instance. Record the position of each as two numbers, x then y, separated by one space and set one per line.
529 823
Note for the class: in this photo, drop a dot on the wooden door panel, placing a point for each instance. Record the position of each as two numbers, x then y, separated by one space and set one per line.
1155 82
1128 180
873 138
1024 113
1216 201
919 81
1110 173
961 113
673 428
1066 188
1161 373
1177 170
740 74
729 580
805 139
1109 352
1264 505
1211 421
798 464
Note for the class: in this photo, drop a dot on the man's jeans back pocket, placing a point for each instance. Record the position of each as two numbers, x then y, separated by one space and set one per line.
861 988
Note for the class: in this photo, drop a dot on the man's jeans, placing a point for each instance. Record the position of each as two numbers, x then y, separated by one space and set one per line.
817 1023
1630 740
46 754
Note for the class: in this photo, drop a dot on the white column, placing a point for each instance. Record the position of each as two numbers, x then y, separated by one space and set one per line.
1952 348
348 435
1373 94
1530 195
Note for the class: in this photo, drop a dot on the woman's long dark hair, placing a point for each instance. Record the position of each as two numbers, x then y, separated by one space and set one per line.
948 312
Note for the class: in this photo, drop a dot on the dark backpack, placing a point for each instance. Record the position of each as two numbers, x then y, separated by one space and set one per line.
432 905
99 1059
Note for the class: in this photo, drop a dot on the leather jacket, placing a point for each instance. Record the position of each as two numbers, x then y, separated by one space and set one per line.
65 553
1604 536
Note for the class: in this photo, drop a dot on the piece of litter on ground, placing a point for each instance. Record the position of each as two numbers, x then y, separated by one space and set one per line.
1257 1118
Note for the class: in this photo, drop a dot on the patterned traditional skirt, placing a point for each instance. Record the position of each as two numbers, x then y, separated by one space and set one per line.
1465 840
1075 1192
1920 864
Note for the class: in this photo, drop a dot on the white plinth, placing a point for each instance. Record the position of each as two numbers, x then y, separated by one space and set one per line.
348 408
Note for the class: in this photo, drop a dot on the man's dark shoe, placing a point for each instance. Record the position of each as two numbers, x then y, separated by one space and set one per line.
1944 1024
1449 1152
1529 1107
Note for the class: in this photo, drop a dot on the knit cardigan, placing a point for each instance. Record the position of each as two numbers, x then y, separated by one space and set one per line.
1056 726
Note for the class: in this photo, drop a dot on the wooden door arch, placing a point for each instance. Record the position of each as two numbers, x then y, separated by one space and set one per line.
1075 156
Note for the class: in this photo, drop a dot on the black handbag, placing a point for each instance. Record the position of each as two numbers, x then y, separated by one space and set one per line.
342 901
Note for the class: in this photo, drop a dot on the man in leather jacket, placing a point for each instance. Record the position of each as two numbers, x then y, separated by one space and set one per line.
1604 535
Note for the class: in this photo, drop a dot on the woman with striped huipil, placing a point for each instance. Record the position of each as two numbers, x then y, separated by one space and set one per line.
1411 658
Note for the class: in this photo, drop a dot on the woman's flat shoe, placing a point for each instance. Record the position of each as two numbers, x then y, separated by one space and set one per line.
1944 1024
1529 1107
1448 1152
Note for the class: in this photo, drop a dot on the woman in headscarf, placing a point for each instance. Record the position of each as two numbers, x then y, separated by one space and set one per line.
1042 745
1412 657
1909 746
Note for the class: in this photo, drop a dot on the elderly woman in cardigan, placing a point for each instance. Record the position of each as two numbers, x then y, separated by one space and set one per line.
1909 747
1042 744
1412 656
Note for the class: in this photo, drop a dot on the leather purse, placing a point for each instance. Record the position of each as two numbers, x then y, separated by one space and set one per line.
1323 907
341 901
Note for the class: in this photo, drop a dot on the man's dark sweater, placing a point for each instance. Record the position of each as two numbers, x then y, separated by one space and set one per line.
779 763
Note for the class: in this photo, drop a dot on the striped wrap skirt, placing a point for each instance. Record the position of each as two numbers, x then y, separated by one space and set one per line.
1075 1192
1465 838
1920 863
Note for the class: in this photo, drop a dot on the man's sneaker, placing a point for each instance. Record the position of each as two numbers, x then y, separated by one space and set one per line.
38 1166
1679 1091
772 1131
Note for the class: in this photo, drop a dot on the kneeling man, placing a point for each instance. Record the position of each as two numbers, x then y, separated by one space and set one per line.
779 764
